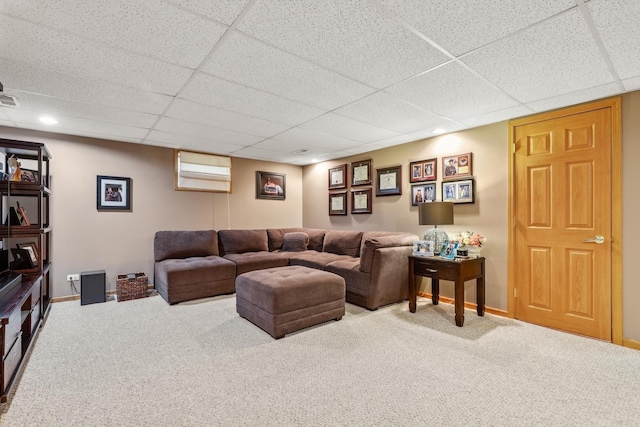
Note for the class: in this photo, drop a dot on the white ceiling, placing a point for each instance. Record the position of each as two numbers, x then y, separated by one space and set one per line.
263 79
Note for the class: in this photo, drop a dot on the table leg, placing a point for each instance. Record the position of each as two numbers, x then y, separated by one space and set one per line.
412 288
435 291
480 295
459 302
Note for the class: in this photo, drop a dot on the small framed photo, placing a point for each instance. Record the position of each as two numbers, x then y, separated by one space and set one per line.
113 193
422 193
423 170
31 249
361 173
271 185
457 166
423 248
458 191
449 250
338 203
361 201
28 175
389 181
338 177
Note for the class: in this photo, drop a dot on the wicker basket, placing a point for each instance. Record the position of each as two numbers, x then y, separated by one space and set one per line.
131 286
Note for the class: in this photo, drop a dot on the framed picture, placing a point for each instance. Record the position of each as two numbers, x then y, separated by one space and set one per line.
361 201
449 250
338 177
270 185
458 191
28 175
456 166
389 181
21 259
113 193
423 170
338 203
423 247
31 249
361 173
423 193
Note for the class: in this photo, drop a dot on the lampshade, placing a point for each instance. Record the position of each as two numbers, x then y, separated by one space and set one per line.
436 213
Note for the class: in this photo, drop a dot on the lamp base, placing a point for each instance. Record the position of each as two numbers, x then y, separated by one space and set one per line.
438 237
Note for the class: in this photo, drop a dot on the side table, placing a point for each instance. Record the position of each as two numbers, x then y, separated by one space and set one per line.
457 270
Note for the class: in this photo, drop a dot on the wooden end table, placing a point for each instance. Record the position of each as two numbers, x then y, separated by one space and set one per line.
457 270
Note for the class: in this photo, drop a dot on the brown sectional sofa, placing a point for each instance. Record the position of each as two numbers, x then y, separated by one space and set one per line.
199 264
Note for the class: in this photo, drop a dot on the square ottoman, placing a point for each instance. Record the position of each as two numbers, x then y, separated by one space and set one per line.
281 300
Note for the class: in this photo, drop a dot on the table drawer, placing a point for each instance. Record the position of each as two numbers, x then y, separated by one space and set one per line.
10 363
434 269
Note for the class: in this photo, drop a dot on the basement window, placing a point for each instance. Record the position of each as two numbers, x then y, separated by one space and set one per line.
202 172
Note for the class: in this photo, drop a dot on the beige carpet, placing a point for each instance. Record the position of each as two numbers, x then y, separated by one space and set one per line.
145 363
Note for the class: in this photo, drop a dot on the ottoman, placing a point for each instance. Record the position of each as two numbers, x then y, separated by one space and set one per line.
281 300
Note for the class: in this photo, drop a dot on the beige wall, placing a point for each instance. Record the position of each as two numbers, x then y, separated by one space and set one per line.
84 239
487 216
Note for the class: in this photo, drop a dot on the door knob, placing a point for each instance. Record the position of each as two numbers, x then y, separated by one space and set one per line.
597 239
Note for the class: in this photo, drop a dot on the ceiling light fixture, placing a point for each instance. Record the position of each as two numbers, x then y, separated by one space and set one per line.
47 120
439 131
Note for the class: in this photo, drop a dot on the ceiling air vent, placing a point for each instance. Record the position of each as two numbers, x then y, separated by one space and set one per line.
301 151
8 101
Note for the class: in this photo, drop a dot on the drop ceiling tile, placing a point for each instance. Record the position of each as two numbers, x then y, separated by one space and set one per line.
3 115
195 143
617 24
386 111
497 116
213 134
37 80
460 26
39 105
225 11
296 138
254 64
632 84
429 132
452 91
61 52
158 28
354 38
7 123
390 142
267 155
77 126
556 57
345 127
223 119
575 97
209 90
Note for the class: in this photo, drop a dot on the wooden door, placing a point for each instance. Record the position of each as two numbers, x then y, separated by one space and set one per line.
563 200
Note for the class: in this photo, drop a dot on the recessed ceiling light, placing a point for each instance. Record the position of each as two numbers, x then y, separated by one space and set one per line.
47 120
314 160
439 131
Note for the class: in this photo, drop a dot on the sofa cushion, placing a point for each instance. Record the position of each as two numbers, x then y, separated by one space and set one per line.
184 244
373 243
357 281
240 241
369 234
192 270
276 236
250 261
316 238
315 259
295 242
342 242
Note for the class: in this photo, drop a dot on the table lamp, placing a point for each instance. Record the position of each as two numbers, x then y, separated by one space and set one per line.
436 213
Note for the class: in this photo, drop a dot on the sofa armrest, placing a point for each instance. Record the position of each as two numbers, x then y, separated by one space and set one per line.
389 276
372 244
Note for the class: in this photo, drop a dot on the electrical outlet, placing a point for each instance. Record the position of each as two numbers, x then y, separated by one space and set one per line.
73 277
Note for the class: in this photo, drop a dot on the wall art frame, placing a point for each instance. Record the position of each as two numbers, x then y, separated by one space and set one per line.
422 193
389 181
361 173
462 191
454 167
271 185
338 177
423 170
361 202
113 193
338 203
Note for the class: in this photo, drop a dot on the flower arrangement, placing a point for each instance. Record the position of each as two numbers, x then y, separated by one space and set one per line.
469 238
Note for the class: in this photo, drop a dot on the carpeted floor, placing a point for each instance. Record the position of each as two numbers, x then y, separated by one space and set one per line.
145 363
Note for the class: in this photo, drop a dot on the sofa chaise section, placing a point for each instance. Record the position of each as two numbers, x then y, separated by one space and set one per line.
187 266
